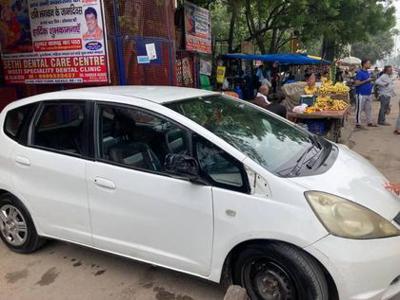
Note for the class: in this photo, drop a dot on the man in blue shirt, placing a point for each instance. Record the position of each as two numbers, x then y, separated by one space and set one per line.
363 83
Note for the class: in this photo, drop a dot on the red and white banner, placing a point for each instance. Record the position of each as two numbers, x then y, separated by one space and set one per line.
53 41
197 28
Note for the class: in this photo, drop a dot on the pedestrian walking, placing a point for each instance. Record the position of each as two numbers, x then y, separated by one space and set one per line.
363 84
385 92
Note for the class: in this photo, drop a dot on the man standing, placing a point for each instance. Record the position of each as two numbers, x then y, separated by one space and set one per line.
386 92
363 84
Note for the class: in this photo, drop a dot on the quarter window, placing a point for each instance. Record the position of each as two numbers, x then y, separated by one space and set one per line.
15 119
217 165
61 127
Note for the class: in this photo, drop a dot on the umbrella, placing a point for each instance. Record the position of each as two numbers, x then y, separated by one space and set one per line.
350 60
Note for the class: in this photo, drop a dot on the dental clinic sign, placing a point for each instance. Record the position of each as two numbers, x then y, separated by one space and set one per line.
53 41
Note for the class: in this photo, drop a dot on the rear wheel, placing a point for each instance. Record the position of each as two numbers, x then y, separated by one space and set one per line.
16 226
279 272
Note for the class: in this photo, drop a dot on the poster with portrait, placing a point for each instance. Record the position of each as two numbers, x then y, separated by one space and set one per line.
197 28
53 41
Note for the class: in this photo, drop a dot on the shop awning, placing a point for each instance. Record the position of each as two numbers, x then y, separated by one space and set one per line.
284 59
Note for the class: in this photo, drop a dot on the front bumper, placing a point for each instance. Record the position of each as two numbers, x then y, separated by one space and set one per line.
361 269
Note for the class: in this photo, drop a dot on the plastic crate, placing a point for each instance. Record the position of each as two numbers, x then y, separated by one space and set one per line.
317 126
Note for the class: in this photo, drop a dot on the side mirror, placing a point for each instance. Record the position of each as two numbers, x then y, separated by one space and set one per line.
183 165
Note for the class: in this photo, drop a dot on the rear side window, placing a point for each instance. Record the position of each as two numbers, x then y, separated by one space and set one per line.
15 120
60 127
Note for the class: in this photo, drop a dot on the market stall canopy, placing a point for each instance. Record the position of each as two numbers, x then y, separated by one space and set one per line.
351 60
284 59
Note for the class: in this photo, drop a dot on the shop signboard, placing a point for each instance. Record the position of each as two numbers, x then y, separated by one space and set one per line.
197 28
53 41
205 66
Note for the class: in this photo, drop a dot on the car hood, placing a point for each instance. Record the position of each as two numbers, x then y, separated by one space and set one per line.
356 179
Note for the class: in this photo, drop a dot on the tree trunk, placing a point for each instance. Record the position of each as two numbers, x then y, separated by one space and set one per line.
252 28
328 48
273 44
234 7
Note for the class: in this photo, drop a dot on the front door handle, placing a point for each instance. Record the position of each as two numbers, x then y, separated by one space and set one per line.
104 183
23 161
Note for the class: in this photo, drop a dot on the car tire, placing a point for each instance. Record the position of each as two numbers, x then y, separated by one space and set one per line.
16 226
279 271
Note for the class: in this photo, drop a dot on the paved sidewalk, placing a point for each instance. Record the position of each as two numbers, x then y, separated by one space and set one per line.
379 145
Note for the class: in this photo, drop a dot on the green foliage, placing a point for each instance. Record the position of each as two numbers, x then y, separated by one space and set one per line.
270 24
375 47
344 22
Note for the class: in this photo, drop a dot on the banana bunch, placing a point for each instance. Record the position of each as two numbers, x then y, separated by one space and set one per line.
339 105
326 103
338 88
310 90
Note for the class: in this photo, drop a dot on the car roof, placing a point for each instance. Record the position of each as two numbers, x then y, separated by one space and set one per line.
157 94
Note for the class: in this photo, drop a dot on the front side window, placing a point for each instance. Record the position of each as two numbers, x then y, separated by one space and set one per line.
138 139
60 127
259 135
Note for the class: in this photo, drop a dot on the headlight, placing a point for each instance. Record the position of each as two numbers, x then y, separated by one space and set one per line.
347 219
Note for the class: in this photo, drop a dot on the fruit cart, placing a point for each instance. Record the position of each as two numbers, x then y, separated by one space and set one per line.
334 122
327 113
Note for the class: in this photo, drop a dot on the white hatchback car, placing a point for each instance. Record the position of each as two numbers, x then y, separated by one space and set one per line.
200 183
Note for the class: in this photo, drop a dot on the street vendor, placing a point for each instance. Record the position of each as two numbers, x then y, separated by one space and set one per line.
311 87
325 78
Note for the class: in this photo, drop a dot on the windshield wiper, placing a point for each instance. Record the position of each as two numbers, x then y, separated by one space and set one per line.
300 162
315 141
314 159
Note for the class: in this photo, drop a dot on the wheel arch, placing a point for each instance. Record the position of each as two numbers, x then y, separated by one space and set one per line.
226 274
3 192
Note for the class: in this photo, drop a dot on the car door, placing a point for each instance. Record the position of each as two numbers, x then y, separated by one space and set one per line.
137 208
50 170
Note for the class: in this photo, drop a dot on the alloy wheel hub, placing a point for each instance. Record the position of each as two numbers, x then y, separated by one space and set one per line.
13 226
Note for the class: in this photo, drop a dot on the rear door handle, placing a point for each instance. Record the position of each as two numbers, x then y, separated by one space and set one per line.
23 161
104 183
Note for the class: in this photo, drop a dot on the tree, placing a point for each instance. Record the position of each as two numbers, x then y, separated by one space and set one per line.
270 24
341 22
375 47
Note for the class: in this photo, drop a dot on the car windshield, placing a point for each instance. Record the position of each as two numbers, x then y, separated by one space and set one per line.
259 135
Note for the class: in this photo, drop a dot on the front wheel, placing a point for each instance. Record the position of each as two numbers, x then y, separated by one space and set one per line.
279 271
16 226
